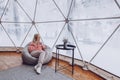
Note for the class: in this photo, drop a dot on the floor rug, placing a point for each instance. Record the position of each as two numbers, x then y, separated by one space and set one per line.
26 72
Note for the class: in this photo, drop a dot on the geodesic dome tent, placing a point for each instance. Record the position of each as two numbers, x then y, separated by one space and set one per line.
91 25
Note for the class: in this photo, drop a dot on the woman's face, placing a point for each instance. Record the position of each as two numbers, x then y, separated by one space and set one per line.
38 38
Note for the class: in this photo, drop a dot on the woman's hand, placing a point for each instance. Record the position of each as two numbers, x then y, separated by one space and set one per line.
44 46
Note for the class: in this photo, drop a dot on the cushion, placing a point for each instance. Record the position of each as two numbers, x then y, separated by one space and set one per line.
28 59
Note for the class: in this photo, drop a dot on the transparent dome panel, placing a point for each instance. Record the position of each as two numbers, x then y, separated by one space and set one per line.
108 57
17 32
49 32
28 7
14 13
85 9
65 6
62 33
90 35
118 1
8 14
47 11
4 38
30 34
3 3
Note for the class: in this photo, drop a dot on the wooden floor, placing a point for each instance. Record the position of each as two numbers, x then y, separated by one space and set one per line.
79 73
9 60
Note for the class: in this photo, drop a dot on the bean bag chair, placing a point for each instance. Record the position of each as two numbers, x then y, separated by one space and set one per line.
28 59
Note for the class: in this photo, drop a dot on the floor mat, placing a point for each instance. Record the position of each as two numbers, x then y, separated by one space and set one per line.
26 72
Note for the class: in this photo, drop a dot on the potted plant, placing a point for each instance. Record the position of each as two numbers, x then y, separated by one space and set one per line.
65 41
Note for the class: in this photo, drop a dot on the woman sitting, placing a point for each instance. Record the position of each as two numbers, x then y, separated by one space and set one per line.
36 49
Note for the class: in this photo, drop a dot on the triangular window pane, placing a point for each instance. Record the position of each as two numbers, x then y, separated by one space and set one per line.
91 35
47 11
84 9
4 39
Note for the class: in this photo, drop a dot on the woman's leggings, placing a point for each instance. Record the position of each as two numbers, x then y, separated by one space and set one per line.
39 54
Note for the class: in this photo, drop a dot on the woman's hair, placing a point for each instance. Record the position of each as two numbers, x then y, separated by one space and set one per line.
36 36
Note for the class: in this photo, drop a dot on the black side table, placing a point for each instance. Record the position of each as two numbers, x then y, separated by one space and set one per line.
61 47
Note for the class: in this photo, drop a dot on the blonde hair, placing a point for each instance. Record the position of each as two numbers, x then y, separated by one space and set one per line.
35 38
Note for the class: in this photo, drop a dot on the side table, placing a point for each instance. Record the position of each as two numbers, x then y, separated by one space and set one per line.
62 47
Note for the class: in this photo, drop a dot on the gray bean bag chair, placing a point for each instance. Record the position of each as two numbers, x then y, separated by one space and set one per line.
28 59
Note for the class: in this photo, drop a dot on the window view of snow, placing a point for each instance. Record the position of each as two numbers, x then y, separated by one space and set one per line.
91 25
